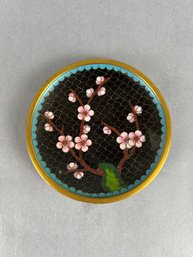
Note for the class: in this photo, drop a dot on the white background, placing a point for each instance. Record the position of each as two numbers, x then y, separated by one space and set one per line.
36 39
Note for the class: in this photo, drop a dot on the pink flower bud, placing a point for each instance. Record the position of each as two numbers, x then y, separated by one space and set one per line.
78 174
49 115
48 127
72 98
89 92
101 91
130 117
107 130
99 80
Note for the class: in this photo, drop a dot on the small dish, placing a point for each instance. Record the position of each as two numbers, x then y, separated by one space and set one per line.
98 131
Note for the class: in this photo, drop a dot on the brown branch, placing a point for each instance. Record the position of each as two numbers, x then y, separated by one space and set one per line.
125 157
77 97
112 128
85 165
128 154
135 116
60 131
98 88
82 127
78 158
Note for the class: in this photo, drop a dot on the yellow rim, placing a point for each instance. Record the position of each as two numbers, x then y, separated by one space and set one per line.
53 184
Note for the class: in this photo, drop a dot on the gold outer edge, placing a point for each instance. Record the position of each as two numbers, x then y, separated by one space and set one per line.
74 196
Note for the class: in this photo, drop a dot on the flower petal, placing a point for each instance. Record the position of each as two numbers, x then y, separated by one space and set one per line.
68 138
80 109
87 118
131 135
87 107
65 149
98 82
131 142
129 146
78 146
142 138
124 135
84 137
77 139
120 139
138 133
123 146
91 112
84 148
138 144
61 138
80 116
89 142
71 144
59 145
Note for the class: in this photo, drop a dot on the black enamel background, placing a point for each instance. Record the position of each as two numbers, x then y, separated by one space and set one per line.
111 108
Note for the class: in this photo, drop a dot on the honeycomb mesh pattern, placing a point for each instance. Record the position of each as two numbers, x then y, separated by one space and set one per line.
112 108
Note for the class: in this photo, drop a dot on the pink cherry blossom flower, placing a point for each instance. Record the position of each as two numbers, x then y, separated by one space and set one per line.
85 112
101 91
130 117
49 115
72 98
86 129
138 109
65 143
137 138
89 92
82 143
125 141
48 127
72 166
78 174
99 80
107 130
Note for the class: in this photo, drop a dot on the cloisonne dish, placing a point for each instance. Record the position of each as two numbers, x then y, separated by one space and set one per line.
98 131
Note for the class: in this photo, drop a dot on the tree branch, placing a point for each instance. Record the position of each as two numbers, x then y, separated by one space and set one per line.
97 89
134 115
125 157
78 158
77 97
112 128
128 154
60 131
81 127
85 165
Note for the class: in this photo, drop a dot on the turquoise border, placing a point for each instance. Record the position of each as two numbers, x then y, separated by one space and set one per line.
54 84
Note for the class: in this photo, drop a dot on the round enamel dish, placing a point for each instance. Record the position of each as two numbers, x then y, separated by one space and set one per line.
98 131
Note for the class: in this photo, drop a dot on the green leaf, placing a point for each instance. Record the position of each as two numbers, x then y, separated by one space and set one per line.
112 180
